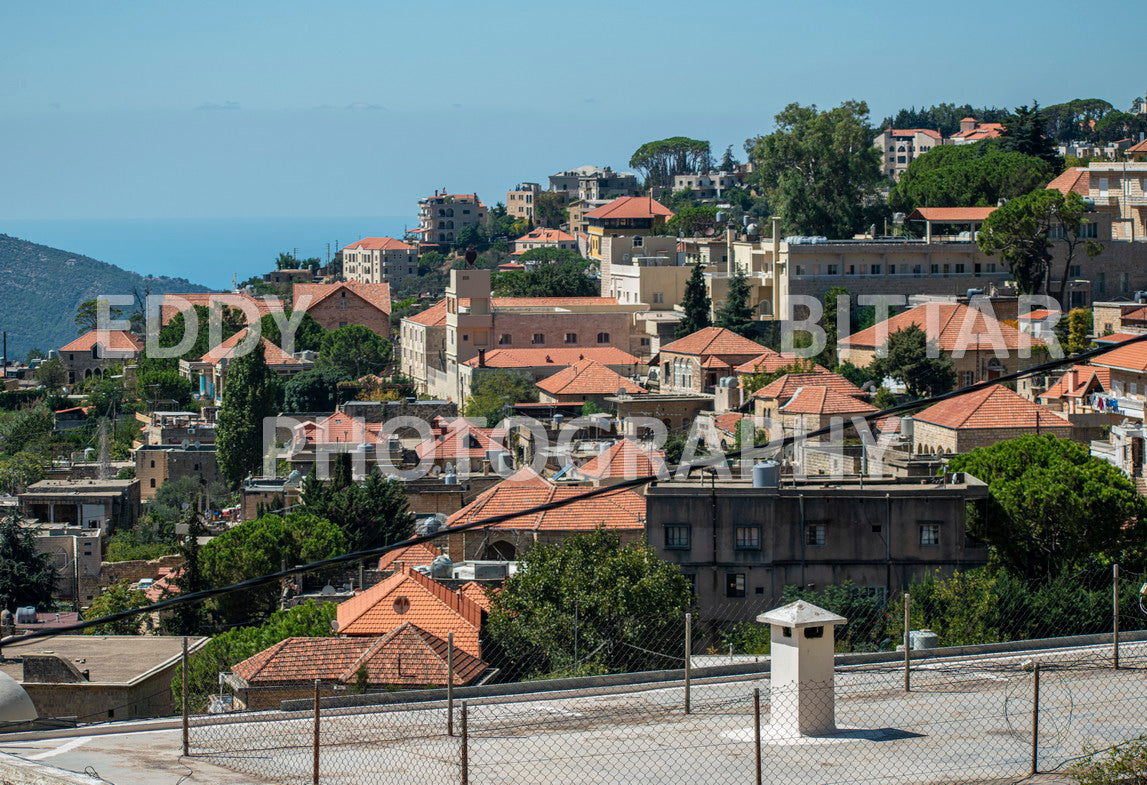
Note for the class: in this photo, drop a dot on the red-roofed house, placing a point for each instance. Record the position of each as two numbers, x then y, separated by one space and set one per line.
624 460
417 555
973 131
990 347
1076 179
251 307
461 444
209 372
98 351
1072 393
335 305
545 238
980 419
626 216
696 362
953 219
586 380
621 511
379 260
409 596
405 657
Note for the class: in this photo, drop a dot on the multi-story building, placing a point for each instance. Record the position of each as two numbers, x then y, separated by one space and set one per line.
632 217
741 545
97 352
899 147
92 505
208 374
443 216
708 185
520 200
971 130
696 362
593 183
379 260
156 464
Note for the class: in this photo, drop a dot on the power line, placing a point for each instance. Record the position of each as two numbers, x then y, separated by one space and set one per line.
261 580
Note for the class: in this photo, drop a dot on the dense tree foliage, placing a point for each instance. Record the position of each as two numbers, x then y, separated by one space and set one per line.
818 168
1025 132
120 596
563 277
371 513
969 175
736 313
27 577
308 335
660 161
1052 505
493 392
286 261
1074 120
694 221
315 390
616 602
355 351
158 386
696 304
907 362
249 397
549 209
171 335
944 118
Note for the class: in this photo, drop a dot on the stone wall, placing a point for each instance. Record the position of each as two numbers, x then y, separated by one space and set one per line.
115 571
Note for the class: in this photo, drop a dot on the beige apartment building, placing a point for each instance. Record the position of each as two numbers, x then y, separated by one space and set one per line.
593 183
899 147
708 185
379 260
442 216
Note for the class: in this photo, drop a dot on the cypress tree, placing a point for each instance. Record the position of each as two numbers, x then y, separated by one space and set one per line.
696 304
736 314
248 397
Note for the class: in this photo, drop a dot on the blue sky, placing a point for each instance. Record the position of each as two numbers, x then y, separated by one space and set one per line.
280 108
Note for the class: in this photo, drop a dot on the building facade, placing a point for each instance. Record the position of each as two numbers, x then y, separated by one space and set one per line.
377 260
443 216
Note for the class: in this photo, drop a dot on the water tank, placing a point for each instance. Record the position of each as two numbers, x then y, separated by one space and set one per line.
765 474
974 293
720 217
430 524
442 567
752 229
449 479
1141 297
26 614
907 427
504 463
558 420
923 639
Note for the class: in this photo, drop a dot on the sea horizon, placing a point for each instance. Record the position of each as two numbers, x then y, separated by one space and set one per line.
211 252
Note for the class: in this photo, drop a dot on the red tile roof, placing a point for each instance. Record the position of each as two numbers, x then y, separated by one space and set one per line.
417 555
434 316
625 207
113 343
1039 314
1117 337
822 400
1139 147
406 656
991 407
1077 178
981 131
544 235
588 377
786 386
272 353
379 244
957 214
340 428
771 362
409 596
714 340
1131 357
912 131
477 594
729 422
944 323
376 294
618 510
1079 381
461 439
539 358
169 307
625 459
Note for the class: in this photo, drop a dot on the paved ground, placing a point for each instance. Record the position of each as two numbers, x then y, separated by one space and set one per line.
966 721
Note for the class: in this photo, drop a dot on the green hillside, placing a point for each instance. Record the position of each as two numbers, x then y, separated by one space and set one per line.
40 288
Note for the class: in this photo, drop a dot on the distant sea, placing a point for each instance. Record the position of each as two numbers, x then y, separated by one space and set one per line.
208 251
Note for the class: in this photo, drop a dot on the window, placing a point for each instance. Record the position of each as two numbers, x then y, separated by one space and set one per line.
969 378
505 339
658 298
571 337
539 339
734 584
677 536
959 269
747 538
342 324
638 241
1124 282
929 534
878 593
152 482
935 269
153 464
875 269
831 269
814 534
1075 271
603 337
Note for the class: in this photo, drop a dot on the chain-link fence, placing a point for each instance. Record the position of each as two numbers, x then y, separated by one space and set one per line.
971 719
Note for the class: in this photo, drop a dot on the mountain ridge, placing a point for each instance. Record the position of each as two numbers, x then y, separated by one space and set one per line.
43 285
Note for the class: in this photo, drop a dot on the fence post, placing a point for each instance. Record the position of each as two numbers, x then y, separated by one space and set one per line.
757 724
449 684
907 643
1115 615
315 743
1035 719
465 746
688 655
183 701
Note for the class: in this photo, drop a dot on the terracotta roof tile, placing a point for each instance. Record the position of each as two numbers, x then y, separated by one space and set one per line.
539 358
619 510
714 340
409 596
379 244
477 593
544 235
169 307
1131 357
631 207
771 362
417 555
434 316
272 353
1077 178
588 377
376 294
625 459
822 400
951 213
945 323
991 407
729 422
461 439
786 386
113 343
1079 381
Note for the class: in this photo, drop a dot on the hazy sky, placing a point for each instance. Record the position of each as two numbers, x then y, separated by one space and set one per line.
277 108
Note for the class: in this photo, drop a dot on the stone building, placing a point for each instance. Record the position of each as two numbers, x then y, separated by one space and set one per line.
697 362
335 305
443 216
981 419
156 464
376 260
96 352
91 505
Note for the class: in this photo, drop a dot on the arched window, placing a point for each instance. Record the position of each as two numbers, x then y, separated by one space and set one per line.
603 337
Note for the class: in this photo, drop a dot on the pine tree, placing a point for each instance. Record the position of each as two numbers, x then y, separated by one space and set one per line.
249 396
696 304
189 618
27 576
737 314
